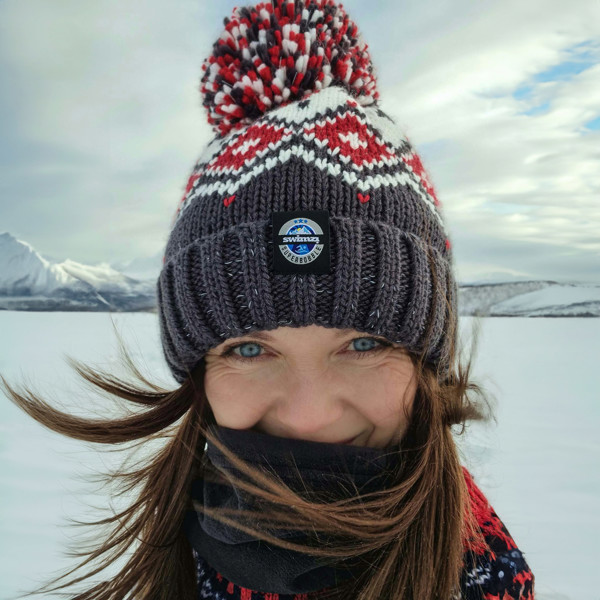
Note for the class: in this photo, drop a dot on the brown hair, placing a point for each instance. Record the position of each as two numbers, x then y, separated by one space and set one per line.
410 534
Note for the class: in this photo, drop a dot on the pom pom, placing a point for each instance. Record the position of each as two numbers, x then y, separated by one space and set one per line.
281 51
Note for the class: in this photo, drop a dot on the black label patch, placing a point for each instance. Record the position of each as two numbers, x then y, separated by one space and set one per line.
301 242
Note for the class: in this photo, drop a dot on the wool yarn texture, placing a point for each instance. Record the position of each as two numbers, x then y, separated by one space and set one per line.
309 205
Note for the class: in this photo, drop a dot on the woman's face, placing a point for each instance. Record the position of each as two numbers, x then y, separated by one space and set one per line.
312 383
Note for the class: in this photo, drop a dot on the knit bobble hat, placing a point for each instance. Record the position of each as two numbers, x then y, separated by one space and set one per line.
309 205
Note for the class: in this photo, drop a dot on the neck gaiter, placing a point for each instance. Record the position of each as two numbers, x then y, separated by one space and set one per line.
332 471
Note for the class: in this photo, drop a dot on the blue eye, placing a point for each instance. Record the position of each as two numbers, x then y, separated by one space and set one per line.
363 346
254 349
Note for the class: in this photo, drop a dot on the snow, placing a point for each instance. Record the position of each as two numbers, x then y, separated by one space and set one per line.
102 277
28 281
538 466
24 271
555 298
143 267
531 299
24 268
479 298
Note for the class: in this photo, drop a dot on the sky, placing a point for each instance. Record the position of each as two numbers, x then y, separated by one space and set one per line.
102 122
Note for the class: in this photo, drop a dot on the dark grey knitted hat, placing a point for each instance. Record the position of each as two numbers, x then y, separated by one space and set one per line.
309 206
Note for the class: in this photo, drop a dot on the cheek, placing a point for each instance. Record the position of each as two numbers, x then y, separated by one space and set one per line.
386 396
236 401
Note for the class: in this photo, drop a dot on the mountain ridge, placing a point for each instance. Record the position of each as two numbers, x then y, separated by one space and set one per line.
28 281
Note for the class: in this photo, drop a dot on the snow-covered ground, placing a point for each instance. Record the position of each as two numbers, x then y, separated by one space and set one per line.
540 466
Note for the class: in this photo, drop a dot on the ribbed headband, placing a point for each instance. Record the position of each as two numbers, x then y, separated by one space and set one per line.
313 209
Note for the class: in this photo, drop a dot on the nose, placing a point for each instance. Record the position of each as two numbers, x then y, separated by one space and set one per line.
310 405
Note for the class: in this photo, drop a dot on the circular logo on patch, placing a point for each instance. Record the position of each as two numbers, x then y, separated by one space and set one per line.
301 239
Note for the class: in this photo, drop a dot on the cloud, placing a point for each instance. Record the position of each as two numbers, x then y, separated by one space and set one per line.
108 121
95 78
513 174
103 121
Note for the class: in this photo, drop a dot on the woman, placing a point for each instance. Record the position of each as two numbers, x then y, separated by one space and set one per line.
307 307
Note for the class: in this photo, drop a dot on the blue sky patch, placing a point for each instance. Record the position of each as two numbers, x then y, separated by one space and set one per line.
540 109
593 125
523 92
580 57
566 70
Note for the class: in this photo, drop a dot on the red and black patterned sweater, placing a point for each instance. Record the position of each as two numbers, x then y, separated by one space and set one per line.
493 567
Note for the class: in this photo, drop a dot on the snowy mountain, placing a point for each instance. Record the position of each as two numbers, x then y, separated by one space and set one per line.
28 281
144 268
530 299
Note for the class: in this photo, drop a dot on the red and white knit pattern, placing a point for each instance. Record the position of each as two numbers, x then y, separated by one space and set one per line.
279 51
361 146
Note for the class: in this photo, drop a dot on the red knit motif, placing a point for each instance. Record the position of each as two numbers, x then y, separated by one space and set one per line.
188 188
342 142
529 595
247 147
487 520
351 137
522 578
190 184
245 594
414 162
